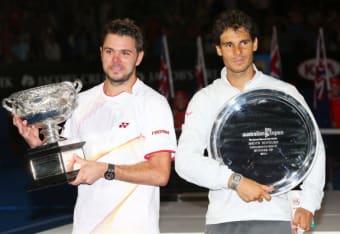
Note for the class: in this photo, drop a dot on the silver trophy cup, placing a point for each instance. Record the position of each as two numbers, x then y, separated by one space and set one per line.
46 107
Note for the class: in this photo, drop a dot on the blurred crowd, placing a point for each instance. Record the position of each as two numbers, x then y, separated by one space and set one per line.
69 30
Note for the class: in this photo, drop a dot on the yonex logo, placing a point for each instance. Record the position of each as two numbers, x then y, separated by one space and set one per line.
123 125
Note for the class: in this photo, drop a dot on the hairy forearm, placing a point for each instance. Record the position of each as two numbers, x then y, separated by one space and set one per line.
155 171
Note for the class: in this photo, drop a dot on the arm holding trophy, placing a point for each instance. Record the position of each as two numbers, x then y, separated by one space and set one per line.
37 113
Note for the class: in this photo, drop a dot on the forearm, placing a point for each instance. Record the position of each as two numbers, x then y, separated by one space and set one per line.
155 171
142 173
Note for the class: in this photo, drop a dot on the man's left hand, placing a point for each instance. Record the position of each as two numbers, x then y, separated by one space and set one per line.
302 219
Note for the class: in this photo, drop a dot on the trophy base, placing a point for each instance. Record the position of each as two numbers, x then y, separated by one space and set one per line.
51 181
49 164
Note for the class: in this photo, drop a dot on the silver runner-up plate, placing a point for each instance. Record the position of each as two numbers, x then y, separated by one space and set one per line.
265 135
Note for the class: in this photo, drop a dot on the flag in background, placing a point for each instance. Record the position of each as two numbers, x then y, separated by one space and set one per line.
275 59
321 84
200 70
165 76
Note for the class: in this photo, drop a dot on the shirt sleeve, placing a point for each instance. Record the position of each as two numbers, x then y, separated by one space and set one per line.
159 127
191 163
313 185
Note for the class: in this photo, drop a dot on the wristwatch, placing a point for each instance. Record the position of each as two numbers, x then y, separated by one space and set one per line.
235 180
110 173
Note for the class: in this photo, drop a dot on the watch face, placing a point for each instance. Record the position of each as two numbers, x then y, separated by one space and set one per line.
237 178
109 175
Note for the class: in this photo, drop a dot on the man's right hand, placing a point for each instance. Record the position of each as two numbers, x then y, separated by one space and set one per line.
249 190
30 133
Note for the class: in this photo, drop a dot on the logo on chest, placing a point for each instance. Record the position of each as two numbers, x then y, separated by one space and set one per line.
123 124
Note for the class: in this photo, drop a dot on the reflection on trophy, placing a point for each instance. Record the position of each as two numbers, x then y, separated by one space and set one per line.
46 107
265 135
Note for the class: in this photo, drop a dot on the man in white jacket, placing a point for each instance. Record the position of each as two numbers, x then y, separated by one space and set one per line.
238 204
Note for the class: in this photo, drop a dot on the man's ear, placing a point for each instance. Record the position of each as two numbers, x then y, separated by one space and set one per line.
139 57
218 50
255 44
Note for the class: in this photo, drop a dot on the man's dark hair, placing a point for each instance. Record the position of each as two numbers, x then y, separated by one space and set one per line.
124 27
234 19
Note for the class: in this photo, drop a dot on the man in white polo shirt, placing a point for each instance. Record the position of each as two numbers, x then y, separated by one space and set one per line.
130 138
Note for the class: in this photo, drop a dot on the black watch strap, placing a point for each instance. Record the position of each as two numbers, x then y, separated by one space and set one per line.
110 173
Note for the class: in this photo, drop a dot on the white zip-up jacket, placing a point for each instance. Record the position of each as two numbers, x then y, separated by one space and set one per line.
224 203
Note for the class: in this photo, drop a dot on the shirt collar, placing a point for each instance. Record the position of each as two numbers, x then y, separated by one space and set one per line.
250 82
136 86
135 90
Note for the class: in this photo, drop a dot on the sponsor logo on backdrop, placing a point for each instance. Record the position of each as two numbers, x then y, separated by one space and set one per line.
88 79
307 68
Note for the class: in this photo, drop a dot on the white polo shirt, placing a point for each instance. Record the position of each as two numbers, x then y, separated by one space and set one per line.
123 129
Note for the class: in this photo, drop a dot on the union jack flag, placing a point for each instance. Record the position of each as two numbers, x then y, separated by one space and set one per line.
321 84
165 75
275 58
200 70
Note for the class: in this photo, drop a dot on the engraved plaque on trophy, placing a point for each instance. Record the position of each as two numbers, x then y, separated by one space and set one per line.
46 107
265 135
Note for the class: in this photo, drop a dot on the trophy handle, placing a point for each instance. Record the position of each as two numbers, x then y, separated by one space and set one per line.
77 85
7 104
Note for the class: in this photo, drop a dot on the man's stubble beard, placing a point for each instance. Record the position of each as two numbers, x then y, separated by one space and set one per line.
119 81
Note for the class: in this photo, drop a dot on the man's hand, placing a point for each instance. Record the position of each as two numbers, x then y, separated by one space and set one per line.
90 171
302 219
249 190
30 133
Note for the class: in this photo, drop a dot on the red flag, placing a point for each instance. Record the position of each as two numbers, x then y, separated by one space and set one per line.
200 70
321 83
165 75
275 59
163 78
